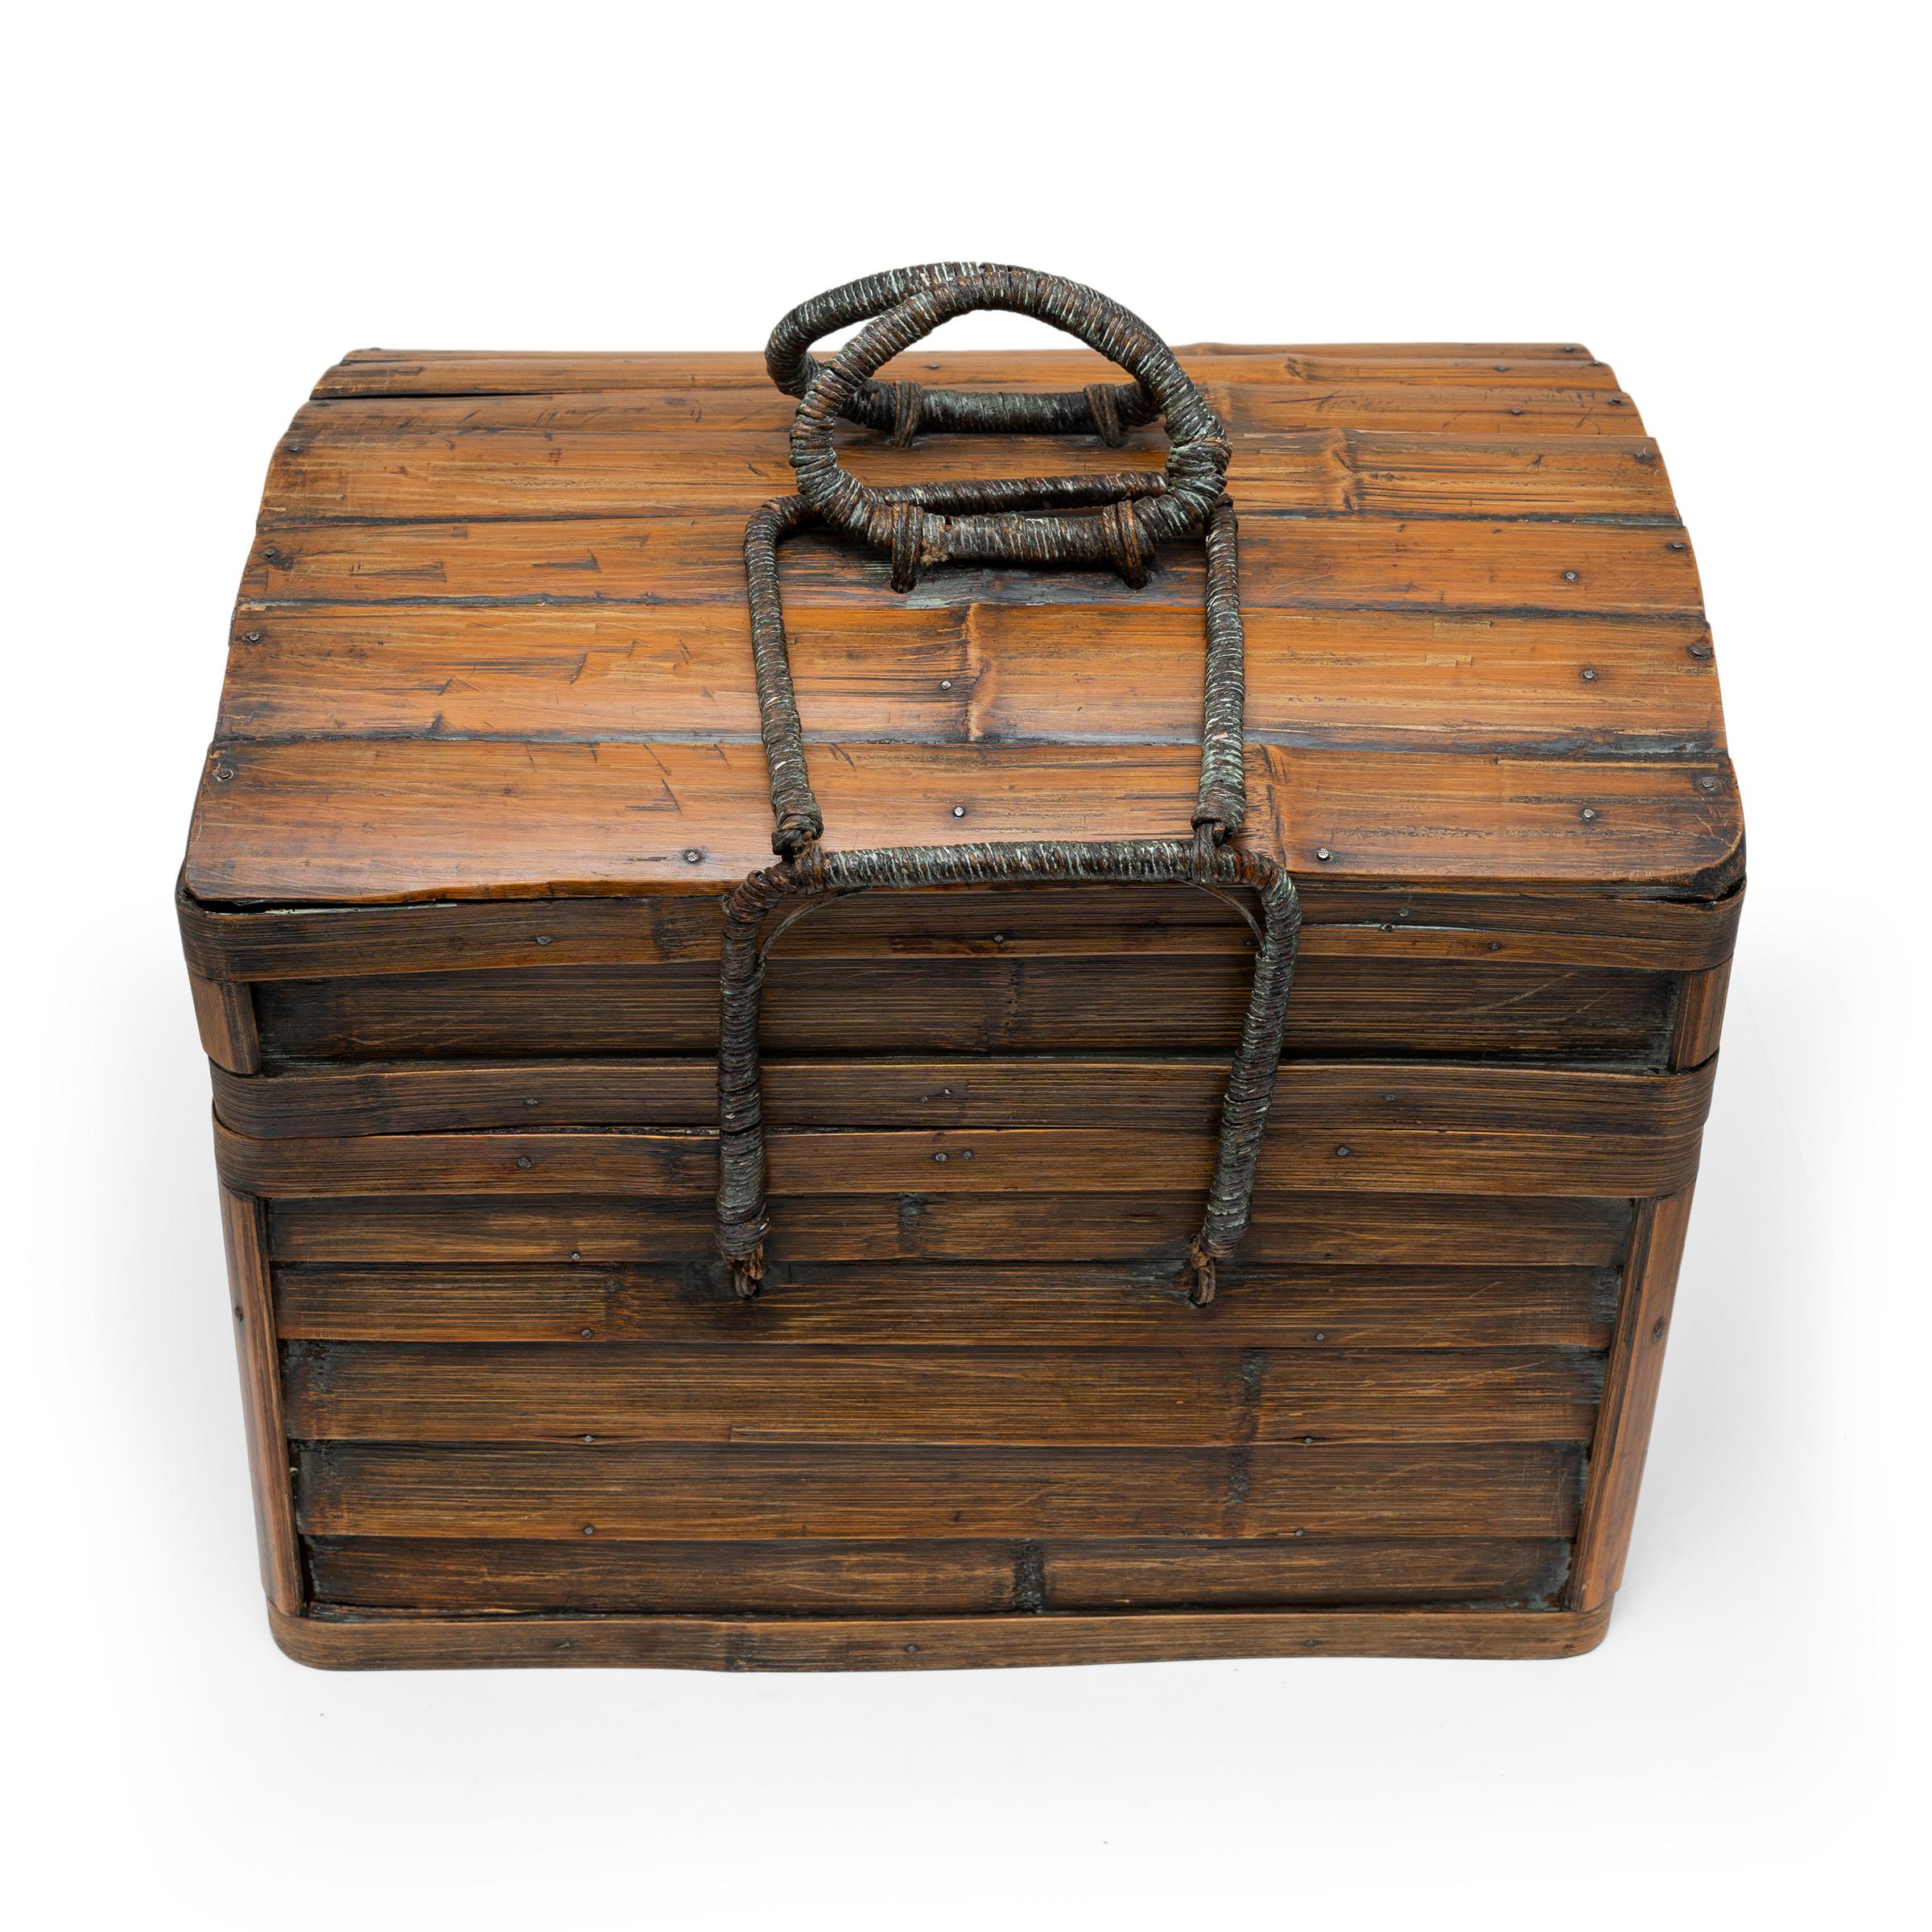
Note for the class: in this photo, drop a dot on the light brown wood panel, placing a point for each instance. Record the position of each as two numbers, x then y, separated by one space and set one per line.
488 470
466 819
985 673
1420 407
832 1008
1339 1097
987 1305
480 372
1399 1231
1287 562
438 1392
508 1577
629 1491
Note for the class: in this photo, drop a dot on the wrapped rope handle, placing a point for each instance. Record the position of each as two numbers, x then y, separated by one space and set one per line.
1111 520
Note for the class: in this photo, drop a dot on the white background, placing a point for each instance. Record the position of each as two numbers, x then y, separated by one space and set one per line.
214 204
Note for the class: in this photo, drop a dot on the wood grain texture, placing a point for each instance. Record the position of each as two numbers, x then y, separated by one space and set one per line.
517 1393
928 1643
245 1237
955 1578
629 1491
922 1007
990 1304
1636 1368
478 572
1558 928
487 753
292 821
972 1162
1338 1099
1399 1230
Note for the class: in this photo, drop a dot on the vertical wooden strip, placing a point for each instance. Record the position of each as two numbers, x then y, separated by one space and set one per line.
245 1232
1700 1016
224 1015
1623 1427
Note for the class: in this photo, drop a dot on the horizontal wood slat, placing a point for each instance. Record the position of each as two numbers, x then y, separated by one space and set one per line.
1340 1098
989 1306
832 1008
960 1578
632 1492
1114 1162
434 1393
472 372
552 471
294 821
1287 562
1401 1231
929 1643
1420 406
979 674
1563 929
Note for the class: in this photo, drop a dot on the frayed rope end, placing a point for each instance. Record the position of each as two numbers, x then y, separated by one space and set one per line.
1200 1274
748 1273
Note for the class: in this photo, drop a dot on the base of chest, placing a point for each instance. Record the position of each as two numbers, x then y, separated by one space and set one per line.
694 1643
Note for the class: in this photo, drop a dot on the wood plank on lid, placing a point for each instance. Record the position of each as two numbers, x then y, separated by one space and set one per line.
1245 407
984 673
366 821
1287 562
487 472
481 372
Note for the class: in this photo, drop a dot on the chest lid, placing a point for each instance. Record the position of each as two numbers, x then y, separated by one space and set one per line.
492 640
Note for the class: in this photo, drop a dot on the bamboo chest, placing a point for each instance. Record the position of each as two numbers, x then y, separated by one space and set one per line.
960 1374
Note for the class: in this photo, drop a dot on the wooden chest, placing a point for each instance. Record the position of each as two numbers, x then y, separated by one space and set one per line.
489 757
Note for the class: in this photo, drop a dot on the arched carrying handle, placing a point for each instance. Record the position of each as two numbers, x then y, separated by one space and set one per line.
1112 520
1008 521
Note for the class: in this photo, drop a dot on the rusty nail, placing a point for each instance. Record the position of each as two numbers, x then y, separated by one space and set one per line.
1707 782
223 774
523 1160
1341 1152
544 938
1676 544
251 637
1322 852
966 1154
239 1316
692 855
940 1156
1657 1334
1589 815
1698 651
1589 675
